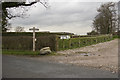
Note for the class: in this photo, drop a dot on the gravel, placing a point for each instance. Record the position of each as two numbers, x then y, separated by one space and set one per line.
103 56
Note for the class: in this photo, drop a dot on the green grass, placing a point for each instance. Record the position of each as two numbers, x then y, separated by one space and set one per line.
116 36
20 52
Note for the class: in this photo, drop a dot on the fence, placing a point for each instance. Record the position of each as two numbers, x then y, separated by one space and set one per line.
64 44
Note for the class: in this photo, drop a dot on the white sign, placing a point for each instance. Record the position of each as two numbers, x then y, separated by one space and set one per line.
65 37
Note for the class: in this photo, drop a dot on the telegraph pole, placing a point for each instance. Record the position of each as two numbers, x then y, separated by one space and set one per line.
34 36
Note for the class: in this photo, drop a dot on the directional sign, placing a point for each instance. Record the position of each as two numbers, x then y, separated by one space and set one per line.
34 29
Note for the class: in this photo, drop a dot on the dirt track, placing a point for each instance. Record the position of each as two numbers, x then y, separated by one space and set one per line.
102 56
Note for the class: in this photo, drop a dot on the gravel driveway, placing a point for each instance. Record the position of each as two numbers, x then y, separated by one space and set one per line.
102 56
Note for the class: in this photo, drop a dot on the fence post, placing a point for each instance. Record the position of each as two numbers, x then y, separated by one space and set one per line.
63 43
79 40
90 41
111 36
56 43
70 43
97 39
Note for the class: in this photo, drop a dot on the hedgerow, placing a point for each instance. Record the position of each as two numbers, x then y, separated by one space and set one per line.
64 44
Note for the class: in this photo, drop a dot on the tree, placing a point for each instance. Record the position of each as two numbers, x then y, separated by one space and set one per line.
105 21
7 15
19 29
118 30
92 33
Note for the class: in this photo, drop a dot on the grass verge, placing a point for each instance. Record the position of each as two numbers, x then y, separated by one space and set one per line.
19 52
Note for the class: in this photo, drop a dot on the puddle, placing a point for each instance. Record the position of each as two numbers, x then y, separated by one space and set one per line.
85 54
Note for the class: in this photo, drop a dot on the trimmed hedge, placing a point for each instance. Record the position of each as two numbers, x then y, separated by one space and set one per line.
26 42
64 44
46 41
17 42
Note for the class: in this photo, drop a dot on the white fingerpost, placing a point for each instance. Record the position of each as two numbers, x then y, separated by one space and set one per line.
34 29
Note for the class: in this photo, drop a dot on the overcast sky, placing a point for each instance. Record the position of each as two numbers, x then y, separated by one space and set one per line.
75 17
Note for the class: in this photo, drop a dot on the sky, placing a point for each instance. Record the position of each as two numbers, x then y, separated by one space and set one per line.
65 16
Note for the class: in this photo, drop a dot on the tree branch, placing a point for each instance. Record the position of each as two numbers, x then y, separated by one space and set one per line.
15 4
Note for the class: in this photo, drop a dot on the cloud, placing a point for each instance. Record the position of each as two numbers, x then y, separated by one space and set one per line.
61 16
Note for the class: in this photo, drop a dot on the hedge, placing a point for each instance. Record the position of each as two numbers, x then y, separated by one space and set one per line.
30 33
52 41
17 42
64 44
26 42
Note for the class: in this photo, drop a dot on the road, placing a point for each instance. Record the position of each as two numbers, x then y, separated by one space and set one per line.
26 67
0 64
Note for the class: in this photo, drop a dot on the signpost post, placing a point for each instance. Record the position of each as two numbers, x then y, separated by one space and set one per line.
34 36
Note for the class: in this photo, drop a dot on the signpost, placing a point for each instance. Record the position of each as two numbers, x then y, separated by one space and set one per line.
34 29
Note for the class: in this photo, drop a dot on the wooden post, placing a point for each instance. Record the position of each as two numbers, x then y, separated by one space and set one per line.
63 44
56 43
97 40
33 37
70 43
79 40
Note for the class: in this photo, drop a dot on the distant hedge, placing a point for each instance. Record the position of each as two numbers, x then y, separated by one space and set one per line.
64 44
25 33
30 33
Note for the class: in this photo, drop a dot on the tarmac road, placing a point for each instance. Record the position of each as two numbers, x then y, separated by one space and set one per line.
25 67
0 65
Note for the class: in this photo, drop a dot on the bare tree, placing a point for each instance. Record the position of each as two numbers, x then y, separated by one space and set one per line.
105 22
119 16
6 14
19 29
